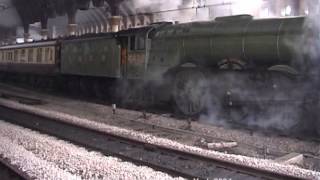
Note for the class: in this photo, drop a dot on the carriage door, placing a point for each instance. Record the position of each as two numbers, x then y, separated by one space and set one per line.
136 57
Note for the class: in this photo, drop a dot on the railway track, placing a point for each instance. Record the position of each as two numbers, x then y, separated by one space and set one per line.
22 99
10 172
186 135
174 162
308 136
162 131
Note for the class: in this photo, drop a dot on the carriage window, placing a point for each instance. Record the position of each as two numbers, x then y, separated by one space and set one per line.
3 56
23 52
51 55
9 56
47 55
30 55
23 55
39 54
15 56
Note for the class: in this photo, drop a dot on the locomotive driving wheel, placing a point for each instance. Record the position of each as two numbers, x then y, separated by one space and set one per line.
189 92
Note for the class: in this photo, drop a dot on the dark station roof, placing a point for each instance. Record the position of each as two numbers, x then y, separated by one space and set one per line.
9 19
17 13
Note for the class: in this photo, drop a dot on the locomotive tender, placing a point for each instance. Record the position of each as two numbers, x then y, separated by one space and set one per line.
243 53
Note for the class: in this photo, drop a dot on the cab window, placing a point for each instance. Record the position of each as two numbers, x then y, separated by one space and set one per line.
132 43
140 43
137 43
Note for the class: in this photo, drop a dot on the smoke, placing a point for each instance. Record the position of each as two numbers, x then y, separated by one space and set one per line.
267 103
246 7
151 5
307 47
271 99
255 100
312 31
197 10
12 18
168 10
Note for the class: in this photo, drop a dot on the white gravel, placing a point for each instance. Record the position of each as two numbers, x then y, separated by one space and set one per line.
237 159
46 157
33 166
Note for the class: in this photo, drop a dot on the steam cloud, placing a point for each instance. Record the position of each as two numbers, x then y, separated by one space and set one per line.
300 102
151 5
148 6
286 116
201 10
12 18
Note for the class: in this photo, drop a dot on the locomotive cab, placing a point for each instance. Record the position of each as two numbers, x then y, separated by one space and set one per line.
134 52
136 49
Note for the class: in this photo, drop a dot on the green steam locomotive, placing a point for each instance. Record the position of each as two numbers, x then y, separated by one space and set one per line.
235 67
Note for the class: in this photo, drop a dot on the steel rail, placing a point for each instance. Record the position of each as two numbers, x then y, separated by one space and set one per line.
8 171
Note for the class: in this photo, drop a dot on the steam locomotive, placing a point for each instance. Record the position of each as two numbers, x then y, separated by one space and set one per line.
234 67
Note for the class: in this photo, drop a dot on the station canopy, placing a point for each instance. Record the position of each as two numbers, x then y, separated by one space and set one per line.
16 14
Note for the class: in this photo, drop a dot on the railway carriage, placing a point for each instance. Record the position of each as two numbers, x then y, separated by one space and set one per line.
38 58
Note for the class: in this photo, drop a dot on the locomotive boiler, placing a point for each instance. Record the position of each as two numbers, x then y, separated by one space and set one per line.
236 67
226 49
